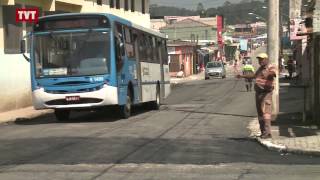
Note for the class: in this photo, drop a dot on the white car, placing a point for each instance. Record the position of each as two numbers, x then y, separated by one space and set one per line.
215 69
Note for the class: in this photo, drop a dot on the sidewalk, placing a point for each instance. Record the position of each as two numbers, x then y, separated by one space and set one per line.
289 133
22 114
199 76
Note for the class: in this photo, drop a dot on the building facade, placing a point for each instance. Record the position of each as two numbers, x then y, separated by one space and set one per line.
182 56
14 70
192 31
305 38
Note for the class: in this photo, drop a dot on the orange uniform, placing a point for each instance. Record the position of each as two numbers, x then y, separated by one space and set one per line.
264 86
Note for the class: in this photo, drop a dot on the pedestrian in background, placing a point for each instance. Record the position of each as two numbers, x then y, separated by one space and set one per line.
263 87
281 63
248 69
290 65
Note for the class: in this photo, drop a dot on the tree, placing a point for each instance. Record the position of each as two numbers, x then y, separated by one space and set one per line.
200 8
227 3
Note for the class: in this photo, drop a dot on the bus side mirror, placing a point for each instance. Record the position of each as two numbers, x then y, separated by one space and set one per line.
23 49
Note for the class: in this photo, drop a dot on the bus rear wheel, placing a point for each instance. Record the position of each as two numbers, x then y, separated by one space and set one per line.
125 110
62 114
156 104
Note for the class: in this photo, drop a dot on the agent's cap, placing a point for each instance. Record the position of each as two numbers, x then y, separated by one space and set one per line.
262 56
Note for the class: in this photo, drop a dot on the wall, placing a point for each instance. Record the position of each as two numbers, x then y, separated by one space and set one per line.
185 54
185 33
14 78
156 24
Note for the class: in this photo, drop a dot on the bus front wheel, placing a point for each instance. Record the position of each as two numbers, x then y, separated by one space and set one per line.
125 110
62 114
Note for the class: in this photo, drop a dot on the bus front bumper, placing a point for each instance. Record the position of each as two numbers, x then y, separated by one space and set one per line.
108 95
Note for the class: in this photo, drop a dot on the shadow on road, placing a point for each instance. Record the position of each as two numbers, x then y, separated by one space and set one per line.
108 114
124 150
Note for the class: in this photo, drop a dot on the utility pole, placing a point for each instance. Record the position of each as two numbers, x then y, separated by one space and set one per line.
273 48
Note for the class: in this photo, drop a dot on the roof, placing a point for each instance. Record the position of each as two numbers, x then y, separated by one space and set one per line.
212 21
187 23
157 20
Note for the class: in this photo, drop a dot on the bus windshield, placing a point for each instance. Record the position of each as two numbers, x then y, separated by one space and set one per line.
72 54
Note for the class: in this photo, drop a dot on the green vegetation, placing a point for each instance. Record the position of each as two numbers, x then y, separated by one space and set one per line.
233 13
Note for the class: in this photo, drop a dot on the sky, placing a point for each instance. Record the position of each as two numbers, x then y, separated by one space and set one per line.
191 4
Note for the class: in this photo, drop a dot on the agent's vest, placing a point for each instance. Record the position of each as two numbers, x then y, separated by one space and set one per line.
265 78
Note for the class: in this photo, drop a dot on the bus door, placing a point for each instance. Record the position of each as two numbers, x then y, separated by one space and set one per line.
138 64
132 56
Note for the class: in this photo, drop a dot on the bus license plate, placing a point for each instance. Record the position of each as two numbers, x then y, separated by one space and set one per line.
72 98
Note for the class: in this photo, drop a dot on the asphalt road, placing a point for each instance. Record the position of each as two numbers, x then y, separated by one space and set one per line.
199 133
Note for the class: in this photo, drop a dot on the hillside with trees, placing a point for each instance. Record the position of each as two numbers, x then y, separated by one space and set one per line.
233 13
160 11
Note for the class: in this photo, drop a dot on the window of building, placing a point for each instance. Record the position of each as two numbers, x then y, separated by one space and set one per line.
126 5
118 4
132 6
174 65
111 3
143 9
12 30
99 2
206 34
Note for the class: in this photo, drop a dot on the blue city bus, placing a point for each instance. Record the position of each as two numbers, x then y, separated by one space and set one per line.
85 61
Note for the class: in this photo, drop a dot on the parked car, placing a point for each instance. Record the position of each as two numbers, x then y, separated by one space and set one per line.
215 69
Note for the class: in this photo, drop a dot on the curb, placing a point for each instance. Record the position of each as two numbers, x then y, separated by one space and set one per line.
267 143
284 149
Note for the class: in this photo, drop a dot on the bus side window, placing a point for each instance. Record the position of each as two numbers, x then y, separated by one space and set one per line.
142 47
164 54
129 46
150 49
157 50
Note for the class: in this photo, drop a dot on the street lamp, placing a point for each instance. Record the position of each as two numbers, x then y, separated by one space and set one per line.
265 7
260 17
